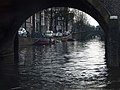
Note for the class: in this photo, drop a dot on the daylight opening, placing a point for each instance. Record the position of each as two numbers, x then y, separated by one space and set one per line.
61 48
59 21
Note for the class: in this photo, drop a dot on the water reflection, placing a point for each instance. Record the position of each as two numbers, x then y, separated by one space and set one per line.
64 66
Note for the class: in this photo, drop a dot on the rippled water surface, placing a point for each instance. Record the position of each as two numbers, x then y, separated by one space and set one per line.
64 66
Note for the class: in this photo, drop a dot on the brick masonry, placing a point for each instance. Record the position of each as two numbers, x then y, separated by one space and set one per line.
113 6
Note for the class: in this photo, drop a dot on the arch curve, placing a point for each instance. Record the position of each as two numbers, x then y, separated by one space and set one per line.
92 7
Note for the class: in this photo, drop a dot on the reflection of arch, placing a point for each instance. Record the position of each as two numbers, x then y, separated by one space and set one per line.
93 8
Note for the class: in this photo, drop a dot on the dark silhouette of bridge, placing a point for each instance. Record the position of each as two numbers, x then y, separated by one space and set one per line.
14 12
87 35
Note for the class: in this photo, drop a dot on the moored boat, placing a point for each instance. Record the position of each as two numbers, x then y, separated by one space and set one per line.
44 41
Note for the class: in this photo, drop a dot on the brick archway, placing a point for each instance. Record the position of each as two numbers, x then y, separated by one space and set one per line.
14 12
94 8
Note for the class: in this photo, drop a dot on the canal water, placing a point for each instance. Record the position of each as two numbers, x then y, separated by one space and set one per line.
66 66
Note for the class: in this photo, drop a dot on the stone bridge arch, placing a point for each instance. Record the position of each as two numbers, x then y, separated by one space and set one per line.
14 12
26 8
93 35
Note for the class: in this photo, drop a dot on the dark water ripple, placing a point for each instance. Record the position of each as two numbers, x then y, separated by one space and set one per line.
64 66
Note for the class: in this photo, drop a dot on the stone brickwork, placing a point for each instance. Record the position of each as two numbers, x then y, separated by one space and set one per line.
14 12
113 6
113 43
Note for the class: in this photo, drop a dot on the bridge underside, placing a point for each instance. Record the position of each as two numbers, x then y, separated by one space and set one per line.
14 12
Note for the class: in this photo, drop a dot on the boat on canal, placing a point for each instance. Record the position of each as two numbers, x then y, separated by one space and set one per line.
35 41
44 41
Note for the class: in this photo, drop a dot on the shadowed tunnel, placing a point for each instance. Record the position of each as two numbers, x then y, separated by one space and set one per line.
14 12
